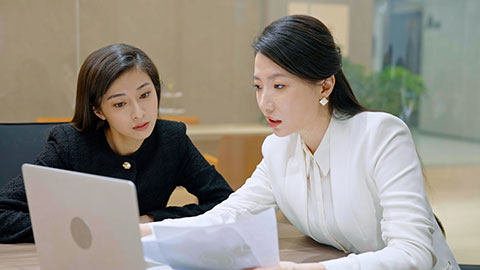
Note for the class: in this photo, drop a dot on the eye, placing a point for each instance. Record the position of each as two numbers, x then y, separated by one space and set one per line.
257 86
119 104
145 95
278 86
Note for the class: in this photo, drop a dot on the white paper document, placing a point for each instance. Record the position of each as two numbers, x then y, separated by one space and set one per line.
250 241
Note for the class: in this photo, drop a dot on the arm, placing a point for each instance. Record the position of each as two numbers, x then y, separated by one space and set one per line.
199 178
406 222
253 197
15 224
293 266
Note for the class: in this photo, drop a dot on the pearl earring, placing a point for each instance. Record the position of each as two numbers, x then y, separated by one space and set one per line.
323 101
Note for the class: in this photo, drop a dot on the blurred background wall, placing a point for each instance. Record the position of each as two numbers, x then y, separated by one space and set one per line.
201 48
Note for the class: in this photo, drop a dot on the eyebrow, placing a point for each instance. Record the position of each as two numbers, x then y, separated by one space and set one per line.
123 94
143 85
273 76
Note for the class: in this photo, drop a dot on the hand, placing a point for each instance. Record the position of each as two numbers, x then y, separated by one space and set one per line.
281 266
145 230
146 219
292 266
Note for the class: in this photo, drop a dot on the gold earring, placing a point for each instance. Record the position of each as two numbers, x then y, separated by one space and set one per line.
323 101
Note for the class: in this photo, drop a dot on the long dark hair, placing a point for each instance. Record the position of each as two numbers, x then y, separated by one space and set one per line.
304 46
98 72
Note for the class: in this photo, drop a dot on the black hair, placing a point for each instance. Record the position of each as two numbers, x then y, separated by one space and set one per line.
101 68
304 46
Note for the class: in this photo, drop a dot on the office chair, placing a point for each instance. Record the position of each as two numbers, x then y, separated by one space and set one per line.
469 267
20 143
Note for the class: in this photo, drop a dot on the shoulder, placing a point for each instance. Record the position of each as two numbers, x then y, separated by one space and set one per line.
167 127
169 132
64 144
370 135
66 137
380 118
367 134
278 146
64 133
371 123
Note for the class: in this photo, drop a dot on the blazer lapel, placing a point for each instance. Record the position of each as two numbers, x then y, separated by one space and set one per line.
295 185
341 173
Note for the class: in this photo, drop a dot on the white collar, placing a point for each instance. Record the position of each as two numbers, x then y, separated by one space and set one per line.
322 154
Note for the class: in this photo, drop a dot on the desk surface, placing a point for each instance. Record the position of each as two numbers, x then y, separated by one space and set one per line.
294 246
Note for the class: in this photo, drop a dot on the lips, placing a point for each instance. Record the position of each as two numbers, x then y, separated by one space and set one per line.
142 126
273 122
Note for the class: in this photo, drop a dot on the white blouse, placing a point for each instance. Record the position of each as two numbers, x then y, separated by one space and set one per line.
322 224
364 184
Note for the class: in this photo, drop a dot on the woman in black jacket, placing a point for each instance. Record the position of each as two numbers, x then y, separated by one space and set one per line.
115 133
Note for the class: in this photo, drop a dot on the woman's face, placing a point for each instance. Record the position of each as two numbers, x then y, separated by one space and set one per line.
289 103
130 107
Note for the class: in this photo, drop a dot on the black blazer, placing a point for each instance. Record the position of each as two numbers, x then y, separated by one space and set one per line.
165 160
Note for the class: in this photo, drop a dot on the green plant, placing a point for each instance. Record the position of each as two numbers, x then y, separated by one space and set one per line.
395 90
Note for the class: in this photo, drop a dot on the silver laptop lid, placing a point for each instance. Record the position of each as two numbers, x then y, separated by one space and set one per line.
83 221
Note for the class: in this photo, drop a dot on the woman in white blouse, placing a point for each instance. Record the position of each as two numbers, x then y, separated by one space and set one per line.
343 175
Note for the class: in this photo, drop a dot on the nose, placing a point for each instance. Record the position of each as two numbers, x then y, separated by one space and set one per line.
137 111
265 101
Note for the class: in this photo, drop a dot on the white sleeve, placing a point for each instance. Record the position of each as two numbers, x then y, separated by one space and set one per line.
406 225
254 196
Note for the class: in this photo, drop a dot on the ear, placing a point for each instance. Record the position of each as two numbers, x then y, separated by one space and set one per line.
98 113
327 86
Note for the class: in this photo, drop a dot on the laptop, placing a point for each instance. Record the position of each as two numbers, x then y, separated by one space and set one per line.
83 221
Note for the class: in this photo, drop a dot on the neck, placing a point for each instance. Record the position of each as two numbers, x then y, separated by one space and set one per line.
122 146
313 135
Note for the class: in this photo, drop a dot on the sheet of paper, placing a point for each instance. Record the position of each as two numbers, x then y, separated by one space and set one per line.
250 241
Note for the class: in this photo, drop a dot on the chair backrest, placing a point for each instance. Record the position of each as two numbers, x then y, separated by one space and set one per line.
20 143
